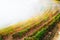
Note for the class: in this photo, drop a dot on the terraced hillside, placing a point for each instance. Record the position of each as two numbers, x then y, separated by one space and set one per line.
39 28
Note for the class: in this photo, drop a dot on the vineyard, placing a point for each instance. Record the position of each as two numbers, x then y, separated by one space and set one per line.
39 28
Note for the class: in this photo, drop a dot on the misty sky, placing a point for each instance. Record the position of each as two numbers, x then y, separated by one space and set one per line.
13 11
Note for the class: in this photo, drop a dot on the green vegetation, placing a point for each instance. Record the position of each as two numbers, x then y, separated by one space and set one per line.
1 37
38 35
22 32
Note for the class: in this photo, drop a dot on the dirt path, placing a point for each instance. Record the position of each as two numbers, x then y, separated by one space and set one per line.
57 35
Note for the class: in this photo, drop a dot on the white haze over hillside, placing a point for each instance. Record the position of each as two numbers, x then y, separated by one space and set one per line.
13 11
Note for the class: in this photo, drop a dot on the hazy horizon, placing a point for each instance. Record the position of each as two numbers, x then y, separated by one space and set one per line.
13 11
